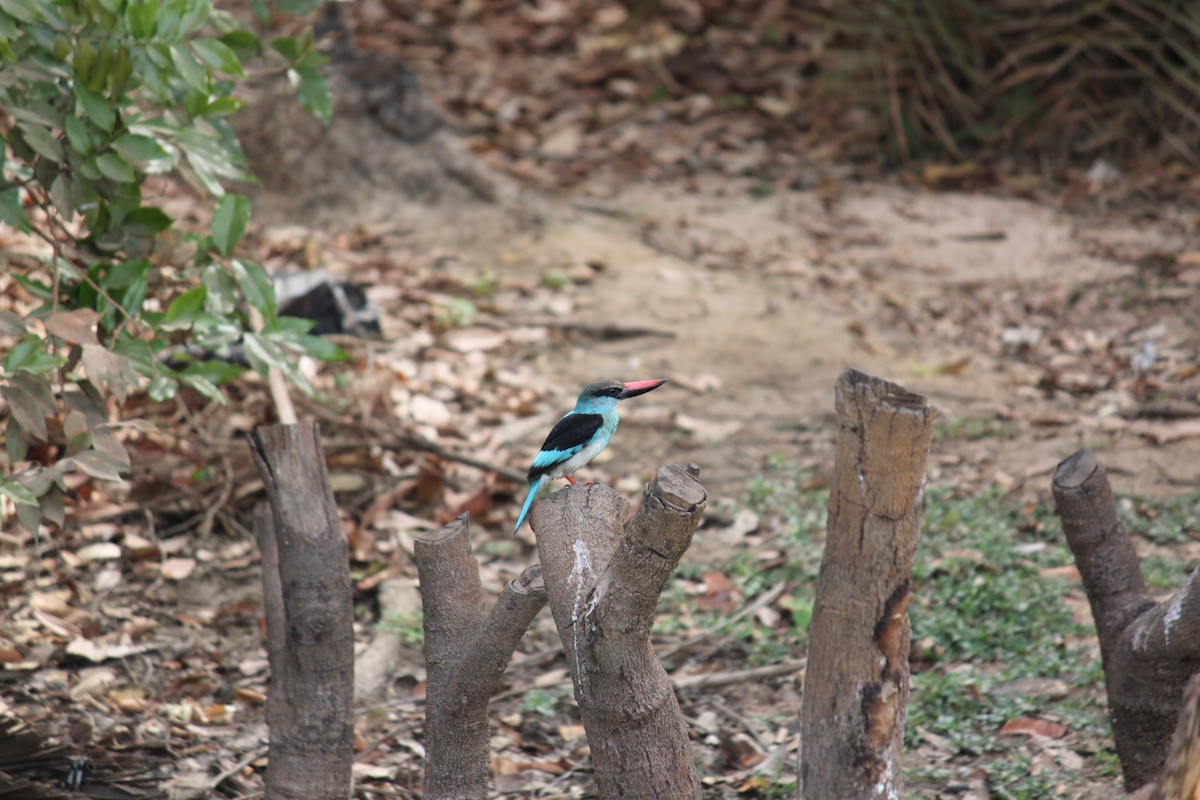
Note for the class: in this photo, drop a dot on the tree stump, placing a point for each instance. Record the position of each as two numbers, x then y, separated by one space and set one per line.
1149 649
466 652
603 577
856 684
310 618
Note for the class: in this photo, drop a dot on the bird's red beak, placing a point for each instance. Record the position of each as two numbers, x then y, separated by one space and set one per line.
634 388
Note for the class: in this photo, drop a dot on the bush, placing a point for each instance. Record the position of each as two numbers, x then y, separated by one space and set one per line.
1068 80
96 96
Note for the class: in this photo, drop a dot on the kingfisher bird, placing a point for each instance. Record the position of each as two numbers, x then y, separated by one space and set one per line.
581 434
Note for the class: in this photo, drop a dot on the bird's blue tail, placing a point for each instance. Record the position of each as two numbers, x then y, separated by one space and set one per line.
534 488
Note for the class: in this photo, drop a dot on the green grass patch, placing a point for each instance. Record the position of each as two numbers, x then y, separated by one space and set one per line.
973 430
992 626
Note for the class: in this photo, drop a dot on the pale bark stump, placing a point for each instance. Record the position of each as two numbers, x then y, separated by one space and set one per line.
1149 649
603 577
466 652
309 611
856 683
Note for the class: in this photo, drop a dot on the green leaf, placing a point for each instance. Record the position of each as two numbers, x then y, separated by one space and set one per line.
204 386
219 56
78 135
244 43
12 212
142 18
35 287
147 221
17 493
299 8
42 141
257 287
287 47
139 148
222 293
312 90
162 388
62 195
263 353
192 71
30 518
318 348
95 107
24 10
52 506
195 16
184 308
14 441
214 371
221 107
26 408
98 465
27 356
113 167
229 222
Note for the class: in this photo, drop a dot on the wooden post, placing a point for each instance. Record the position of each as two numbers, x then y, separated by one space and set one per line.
856 684
1149 649
465 655
307 603
603 578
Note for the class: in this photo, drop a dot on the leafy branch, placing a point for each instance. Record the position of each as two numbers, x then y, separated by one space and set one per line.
96 97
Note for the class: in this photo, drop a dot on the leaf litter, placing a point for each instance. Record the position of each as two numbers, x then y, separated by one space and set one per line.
143 610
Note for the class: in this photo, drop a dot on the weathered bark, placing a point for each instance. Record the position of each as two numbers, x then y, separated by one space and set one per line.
603 578
1149 649
465 655
310 637
1181 773
856 684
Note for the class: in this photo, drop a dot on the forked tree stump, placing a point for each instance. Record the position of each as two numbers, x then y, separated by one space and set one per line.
466 652
1149 649
310 621
856 683
603 577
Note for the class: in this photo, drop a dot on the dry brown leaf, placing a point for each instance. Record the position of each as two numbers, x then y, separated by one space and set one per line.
1033 727
177 569
1069 572
100 551
75 327
553 677
1167 433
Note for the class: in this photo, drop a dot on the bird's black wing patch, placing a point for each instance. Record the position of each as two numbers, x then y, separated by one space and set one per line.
566 438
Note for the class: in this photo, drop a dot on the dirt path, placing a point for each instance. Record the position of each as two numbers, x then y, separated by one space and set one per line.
981 302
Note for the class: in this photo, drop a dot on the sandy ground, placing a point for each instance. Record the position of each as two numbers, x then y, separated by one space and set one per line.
754 304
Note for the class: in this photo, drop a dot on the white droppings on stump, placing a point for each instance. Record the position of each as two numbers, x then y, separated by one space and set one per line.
581 572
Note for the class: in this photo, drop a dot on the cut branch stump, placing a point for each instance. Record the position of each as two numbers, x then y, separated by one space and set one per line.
603 577
308 607
1149 649
856 684
466 652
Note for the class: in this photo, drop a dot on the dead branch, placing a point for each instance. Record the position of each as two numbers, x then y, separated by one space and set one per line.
376 667
1149 649
310 636
603 578
465 655
856 684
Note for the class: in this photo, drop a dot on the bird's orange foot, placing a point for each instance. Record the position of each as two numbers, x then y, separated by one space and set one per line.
570 479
